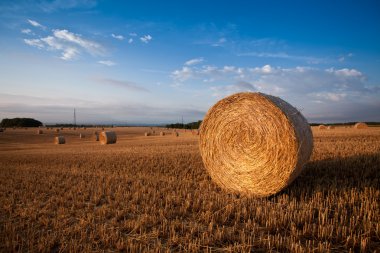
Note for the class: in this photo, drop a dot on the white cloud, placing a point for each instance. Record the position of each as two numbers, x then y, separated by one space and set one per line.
345 72
283 55
146 38
36 24
92 47
70 45
107 63
194 61
183 74
118 37
130 40
27 31
133 34
68 52
34 42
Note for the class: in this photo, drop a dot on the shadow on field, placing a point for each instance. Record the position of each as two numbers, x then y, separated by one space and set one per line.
336 174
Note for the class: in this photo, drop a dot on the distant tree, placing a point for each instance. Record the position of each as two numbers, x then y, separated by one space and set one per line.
192 125
20 122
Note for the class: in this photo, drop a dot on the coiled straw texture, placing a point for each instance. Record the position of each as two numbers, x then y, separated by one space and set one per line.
254 144
107 137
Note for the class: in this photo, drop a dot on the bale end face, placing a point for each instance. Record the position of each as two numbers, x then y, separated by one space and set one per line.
107 137
59 140
254 144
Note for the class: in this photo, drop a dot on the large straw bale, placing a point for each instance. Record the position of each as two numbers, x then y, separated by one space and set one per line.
107 137
322 127
360 125
59 140
254 144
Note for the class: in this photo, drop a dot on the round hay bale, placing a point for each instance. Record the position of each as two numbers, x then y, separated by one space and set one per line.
147 134
162 133
96 137
57 130
360 125
176 134
81 136
107 137
59 140
39 131
254 144
330 127
321 127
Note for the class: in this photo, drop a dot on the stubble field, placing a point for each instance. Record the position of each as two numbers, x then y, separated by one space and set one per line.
153 194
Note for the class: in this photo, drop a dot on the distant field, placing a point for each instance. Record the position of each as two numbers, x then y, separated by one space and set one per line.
153 194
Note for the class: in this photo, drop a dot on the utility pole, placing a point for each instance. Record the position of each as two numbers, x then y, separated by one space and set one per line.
75 118
182 123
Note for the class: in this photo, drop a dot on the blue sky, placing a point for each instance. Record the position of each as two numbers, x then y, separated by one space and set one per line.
154 62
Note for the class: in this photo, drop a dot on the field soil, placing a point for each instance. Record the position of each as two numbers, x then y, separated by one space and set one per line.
152 193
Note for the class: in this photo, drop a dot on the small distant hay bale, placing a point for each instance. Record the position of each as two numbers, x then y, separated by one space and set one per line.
96 137
59 140
153 132
57 130
360 125
321 127
61 128
254 144
107 137
103 128
162 133
39 131
176 134
81 136
147 134
331 127
74 128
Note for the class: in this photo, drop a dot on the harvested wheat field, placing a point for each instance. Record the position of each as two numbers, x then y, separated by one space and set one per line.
152 193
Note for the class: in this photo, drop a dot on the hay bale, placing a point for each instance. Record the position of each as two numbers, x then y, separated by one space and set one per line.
59 140
330 127
147 134
57 130
61 128
254 144
96 137
176 134
321 127
360 125
81 136
162 133
107 137
1 130
39 131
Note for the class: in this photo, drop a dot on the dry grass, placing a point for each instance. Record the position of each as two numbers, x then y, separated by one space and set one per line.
153 194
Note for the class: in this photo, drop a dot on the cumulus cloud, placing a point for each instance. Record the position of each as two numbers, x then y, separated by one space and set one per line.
34 43
130 40
118 37
305 87
36 24
146 38
70 45
27 31
90 46
194 61
107 63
